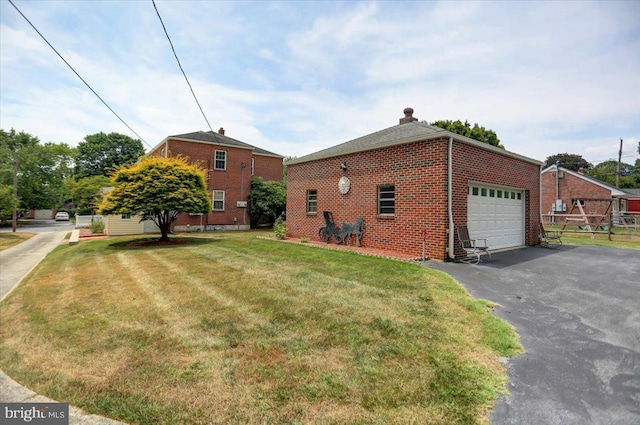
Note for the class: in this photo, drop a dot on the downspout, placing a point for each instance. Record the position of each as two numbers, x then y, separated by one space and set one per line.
451 250
166 148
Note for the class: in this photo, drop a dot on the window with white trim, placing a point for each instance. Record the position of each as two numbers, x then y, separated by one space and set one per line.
221 160
125 216
218 200
386 199
312 201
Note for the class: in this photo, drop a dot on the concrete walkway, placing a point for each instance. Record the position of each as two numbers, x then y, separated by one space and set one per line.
16 263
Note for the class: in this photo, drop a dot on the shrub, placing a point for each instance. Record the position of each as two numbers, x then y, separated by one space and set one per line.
97 226
280 228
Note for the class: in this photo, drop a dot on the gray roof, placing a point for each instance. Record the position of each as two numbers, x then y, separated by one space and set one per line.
220 139
398 135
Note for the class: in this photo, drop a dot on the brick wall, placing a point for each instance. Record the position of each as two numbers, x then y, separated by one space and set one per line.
234 180
474 164
419 173
571 187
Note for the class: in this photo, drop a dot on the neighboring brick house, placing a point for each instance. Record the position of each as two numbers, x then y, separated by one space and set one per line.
397 179
230 165
559 183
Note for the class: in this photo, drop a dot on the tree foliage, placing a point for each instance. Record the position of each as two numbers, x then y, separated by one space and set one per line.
7 203
476 132
158 189
100 154
42 169
86 193
267 200
569 161
606 172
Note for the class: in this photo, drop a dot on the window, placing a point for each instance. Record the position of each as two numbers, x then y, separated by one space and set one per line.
221 160
312 201
218 200
483 192
125 216
386 199
253 166
519 196
492 193
513 195
500 194
474 191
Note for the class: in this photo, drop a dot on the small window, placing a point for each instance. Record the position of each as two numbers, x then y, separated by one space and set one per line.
513 195
312 201
221 160
519 196
125 217
387 199
483 192
474 191
492 193
253 166
218 200
499 194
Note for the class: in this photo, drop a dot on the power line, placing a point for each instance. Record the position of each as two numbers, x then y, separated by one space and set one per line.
181 69
78 75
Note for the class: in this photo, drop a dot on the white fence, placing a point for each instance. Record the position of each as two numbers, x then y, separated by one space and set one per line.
87 220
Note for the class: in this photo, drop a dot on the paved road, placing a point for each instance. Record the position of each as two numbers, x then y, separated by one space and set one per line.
577 310
15 263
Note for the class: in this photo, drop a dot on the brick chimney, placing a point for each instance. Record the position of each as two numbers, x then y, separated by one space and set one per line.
221 131
408 116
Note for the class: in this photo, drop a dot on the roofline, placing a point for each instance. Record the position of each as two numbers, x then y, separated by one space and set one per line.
615 192
413 139
182 139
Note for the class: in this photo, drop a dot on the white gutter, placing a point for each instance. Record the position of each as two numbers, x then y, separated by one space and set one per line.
451 250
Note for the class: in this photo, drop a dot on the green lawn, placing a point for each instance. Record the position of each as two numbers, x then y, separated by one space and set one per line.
620 238
230 328
9 239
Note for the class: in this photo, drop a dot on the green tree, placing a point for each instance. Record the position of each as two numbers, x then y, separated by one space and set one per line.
267 200
158 189
476 132
285 167
569 161
42 169
86 193
606 172
7 203
100 154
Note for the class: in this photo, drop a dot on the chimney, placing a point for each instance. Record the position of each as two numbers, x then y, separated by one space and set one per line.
581 171
408 116
221 131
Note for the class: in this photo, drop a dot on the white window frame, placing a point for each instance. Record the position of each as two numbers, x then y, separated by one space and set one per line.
311 202
214 200
216 159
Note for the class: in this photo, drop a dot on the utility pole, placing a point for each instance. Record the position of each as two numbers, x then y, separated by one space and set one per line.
619 159
14 222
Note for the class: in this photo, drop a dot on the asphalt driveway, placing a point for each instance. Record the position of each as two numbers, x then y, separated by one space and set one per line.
577 310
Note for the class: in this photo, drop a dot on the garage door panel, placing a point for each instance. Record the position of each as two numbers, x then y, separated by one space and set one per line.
500 220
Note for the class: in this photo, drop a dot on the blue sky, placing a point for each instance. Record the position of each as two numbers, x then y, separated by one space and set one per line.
295 77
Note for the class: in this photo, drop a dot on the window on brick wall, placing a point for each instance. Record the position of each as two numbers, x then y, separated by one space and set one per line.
221 160
387 199
312 201
218 200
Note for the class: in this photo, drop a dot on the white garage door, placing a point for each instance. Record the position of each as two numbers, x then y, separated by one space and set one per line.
496 214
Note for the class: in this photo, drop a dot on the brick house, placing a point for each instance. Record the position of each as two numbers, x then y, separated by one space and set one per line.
413 180
559 183
230 165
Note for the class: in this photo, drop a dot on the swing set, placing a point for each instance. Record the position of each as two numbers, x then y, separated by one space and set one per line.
594 223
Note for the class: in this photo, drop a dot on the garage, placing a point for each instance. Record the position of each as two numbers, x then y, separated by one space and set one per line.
496 214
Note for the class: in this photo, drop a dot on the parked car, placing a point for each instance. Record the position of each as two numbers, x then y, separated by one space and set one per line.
62 216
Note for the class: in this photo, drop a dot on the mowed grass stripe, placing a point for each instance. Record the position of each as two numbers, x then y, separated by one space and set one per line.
244 330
